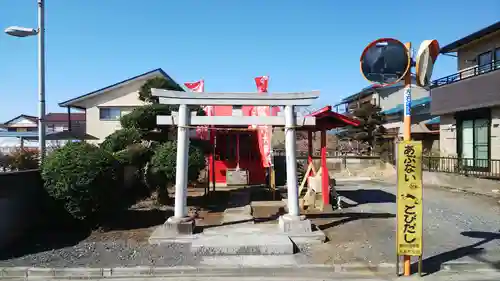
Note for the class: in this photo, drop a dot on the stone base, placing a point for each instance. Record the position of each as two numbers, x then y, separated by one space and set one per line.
242 244
294 224
173 230
178 226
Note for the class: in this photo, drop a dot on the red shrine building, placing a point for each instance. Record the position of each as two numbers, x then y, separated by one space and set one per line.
237 147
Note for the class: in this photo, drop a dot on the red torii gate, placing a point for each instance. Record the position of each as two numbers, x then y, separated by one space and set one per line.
326 120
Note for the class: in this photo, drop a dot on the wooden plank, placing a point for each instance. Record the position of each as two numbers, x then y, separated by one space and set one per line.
235 120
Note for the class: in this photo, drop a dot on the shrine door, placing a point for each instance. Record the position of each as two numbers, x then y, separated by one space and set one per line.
241 149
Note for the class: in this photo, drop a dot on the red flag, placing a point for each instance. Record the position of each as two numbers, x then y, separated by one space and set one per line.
263 132
197 87
262 82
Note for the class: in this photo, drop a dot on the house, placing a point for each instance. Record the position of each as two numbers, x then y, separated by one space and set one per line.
54 122
23 129
468 101
390 100
104 107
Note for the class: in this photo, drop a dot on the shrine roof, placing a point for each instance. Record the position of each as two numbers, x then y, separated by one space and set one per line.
326 119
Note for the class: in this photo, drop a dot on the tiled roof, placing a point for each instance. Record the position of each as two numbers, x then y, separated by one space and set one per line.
63 117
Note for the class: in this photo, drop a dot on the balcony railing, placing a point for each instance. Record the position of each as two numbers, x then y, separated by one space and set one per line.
466 73
481 168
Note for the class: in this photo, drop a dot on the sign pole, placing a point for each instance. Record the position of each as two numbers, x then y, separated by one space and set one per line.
407 137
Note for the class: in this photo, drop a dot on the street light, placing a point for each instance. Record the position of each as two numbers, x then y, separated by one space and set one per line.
18 31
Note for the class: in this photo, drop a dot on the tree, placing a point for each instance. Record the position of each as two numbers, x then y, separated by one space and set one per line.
156 83
158 156
121 139
370 129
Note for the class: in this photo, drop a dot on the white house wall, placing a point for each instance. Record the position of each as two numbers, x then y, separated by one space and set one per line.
495 133
22 123
388 99
448 135
126 98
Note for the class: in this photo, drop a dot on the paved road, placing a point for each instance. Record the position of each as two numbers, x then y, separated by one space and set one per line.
458 226
331 277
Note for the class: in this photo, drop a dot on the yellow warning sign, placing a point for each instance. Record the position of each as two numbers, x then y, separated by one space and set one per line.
409 199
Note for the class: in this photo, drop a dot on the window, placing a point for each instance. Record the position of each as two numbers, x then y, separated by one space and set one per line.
484 61
474 140
109 113
497 58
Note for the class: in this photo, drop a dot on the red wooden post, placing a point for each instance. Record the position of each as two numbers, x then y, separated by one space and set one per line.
325 177
310 150
212 157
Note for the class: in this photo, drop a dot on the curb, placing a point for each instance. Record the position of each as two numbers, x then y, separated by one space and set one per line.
468 266
465 190
152 271
349 179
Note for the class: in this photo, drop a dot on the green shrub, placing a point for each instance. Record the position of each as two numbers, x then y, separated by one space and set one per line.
144 118
119 140
134 155
163 163
23 159
84 178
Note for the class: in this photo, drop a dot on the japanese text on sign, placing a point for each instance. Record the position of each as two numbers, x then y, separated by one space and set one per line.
409 200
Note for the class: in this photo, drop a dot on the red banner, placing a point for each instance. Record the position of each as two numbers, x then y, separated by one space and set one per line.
199 87
263 132
262 83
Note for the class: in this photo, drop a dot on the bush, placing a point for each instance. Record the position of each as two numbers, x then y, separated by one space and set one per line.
119 140
84 178
134 155
163 163
23 159
157 83
144 118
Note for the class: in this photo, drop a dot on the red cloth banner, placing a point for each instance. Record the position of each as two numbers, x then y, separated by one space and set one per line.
262 82
263 132
199 87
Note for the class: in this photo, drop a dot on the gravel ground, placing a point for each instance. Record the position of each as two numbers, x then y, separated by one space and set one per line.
453 222
126 244
105 254
456 226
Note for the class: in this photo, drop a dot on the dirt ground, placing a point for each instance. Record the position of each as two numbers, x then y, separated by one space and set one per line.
137 223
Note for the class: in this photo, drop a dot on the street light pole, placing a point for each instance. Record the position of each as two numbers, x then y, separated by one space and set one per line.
18 31
41 79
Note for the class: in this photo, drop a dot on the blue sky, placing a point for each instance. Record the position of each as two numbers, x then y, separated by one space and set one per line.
301 45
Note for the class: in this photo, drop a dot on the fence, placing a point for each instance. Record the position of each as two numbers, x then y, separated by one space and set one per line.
482 168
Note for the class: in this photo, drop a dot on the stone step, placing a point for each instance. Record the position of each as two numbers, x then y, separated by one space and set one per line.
251 261
242 244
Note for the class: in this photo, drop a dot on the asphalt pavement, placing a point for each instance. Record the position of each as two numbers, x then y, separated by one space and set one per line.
313 277
458 227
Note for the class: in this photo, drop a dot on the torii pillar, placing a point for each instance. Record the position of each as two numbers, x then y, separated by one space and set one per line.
180 223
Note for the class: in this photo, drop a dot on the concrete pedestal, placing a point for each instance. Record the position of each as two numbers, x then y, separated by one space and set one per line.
294 224
173 230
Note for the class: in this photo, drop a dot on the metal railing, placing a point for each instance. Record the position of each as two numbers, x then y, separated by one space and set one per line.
466 73
483 168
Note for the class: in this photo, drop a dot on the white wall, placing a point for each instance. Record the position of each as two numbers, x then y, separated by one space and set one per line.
495 133
447 135
389 99
125 98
